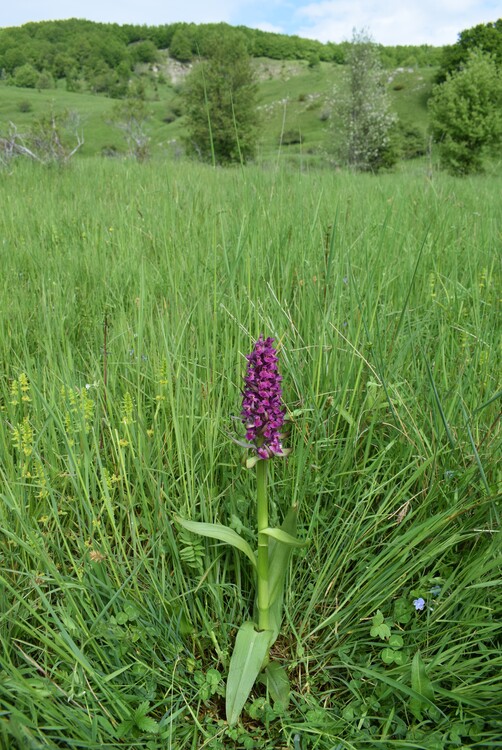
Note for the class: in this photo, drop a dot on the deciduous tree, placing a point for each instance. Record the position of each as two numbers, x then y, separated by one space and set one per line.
466 113
220 96
485 36
131 117
362 112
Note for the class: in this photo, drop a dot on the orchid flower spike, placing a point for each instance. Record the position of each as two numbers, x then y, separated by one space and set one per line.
262 412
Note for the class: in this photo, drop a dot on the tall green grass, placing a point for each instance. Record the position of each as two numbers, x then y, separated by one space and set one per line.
130 294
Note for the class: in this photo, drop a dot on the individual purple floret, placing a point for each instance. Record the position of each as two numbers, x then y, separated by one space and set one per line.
262 413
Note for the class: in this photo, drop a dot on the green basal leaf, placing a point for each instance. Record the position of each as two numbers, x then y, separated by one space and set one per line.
277 682
250 652
282 536
218 531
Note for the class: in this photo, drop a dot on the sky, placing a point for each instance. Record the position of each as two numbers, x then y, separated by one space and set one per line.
388 22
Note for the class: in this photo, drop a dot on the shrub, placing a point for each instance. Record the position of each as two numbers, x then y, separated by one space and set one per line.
467 114
26 77
291 137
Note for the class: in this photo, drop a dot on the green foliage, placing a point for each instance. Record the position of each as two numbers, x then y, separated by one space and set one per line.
421 56
290 137
411 141
45 81
466 113
363 110
53 138
486 37
314 60
220 98
182 44
25 105
379 627
131 117
68 56
218 531
276 680
250 651
26 77
422 686
144 52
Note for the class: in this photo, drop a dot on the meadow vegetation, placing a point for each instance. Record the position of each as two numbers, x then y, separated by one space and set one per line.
130 295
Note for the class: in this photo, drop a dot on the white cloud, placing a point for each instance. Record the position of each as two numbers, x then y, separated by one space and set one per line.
266 26
409 22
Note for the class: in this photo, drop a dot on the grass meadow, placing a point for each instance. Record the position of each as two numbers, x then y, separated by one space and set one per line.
130 295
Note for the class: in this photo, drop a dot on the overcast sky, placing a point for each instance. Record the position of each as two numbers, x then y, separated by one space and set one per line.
390 22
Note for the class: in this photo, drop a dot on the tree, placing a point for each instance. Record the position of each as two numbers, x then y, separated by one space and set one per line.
485 36
181 45
131 118
466 113
364 115
144 52
26 76
220 96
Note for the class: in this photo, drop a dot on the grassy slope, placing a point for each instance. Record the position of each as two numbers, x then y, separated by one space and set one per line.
383 294
291 97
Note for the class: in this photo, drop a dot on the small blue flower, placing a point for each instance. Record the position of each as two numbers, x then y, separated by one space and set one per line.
419 604
435 590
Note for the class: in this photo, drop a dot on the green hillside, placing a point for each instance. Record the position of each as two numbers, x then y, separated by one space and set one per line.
293 98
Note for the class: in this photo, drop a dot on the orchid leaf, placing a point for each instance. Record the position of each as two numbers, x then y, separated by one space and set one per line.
282 536
276 679
279 555
218 531
250 652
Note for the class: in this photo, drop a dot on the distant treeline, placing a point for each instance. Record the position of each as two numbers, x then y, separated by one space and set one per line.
77 47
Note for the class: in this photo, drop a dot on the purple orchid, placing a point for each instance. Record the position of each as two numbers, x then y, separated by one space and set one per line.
262 413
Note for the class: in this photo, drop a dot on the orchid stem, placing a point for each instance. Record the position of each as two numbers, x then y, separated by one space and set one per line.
262 514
